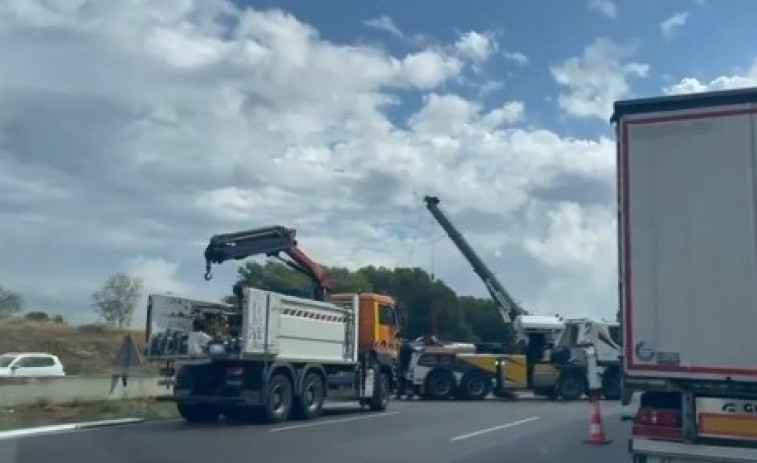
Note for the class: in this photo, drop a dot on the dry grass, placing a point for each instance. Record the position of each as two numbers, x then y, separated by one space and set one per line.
42 414
83 349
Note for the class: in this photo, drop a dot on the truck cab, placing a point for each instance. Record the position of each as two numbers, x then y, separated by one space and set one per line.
378 325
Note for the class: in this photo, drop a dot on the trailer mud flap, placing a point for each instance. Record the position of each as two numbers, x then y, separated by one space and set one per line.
369 383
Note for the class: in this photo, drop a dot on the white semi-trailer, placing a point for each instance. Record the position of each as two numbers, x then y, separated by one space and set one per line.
687 196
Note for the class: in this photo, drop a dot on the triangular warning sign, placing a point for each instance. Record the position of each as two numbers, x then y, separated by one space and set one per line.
128 354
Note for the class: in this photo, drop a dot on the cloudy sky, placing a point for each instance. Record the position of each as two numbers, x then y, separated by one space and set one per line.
131 131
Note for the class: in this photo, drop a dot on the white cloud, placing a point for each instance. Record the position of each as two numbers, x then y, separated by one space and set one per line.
158 276
476 46
673 23
597 78
193 118
605 7
694 85
384 23
516 57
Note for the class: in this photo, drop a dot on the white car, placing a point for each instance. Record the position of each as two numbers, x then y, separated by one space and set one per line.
30 364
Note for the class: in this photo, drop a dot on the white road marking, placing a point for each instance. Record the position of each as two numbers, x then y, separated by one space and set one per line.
57 428
333 421
494 428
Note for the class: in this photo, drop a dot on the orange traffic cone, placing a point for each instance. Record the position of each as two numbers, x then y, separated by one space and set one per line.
596 428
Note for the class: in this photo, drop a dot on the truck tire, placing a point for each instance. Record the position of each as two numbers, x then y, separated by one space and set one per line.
309 404
381 391
198 413
571 386
439 385
611 388
279 398
475 386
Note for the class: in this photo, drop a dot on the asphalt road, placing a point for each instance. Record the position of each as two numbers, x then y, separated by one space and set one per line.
531 431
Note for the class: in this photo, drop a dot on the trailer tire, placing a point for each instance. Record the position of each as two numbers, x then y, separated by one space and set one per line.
381 390
309 404
571 386
198 413
279 398
475 386
439 385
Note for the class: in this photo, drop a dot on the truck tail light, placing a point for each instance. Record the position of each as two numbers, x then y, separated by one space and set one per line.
658 423
658 417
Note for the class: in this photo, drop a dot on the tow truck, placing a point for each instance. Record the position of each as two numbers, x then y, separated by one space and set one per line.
273 356
554 357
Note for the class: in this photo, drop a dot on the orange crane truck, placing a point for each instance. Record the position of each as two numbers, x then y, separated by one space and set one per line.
271 355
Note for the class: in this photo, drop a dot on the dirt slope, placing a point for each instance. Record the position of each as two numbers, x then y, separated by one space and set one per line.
83 349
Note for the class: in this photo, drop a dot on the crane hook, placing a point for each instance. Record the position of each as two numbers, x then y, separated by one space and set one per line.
208 274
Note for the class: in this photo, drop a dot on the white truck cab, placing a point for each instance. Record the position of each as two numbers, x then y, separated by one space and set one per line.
30 364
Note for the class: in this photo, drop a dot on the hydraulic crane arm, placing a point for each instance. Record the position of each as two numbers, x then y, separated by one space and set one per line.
270 241
509 309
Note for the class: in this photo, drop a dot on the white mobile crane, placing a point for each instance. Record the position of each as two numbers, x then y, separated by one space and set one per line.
556 350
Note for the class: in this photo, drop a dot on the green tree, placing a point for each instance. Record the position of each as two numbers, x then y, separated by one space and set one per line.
425 305
10 303
116 301
37 316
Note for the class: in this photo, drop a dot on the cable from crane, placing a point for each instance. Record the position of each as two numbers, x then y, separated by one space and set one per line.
416 228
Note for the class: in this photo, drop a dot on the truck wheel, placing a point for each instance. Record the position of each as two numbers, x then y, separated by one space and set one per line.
381 391
198 413
571 387
309 404
611 385
439 385
279 397
475 386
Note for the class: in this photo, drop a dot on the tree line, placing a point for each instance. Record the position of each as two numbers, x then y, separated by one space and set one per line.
426 305
114 303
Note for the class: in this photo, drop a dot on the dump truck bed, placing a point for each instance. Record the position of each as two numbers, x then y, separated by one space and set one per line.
270 325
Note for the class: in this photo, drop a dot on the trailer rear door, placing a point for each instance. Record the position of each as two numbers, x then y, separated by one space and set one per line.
688 235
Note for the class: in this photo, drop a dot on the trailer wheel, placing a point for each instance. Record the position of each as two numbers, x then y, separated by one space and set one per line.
439 385
309 404
475 386
279 397
381 391
198 413
571 386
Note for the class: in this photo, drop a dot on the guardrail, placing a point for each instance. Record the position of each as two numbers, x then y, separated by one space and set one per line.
23 391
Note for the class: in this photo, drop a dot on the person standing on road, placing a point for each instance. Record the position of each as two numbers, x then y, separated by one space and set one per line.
405 355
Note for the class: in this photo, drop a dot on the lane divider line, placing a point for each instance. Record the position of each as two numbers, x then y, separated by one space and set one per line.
494 428
56 428
333 421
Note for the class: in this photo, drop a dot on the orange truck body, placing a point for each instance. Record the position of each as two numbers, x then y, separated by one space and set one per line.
378 324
